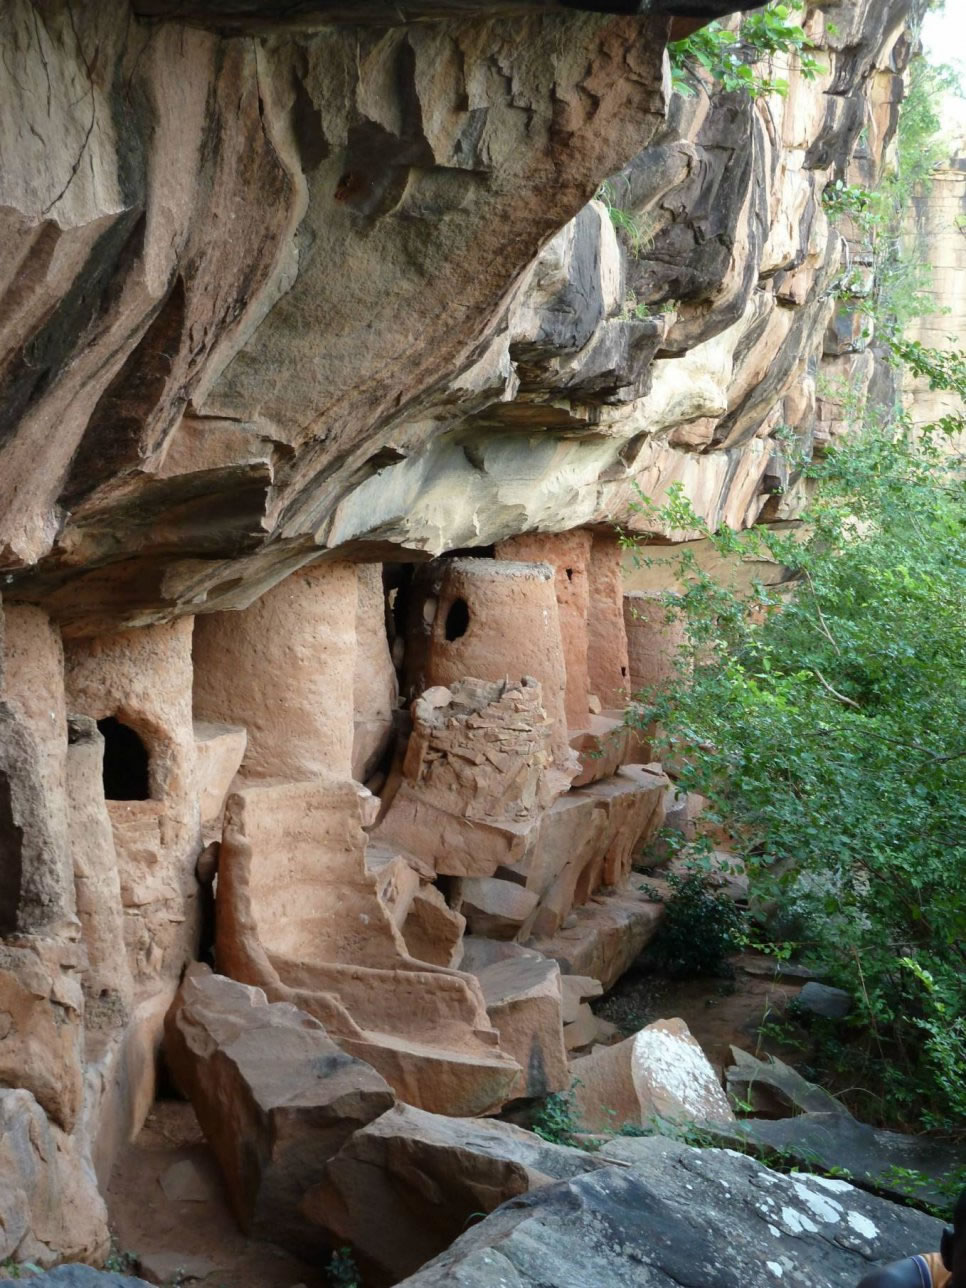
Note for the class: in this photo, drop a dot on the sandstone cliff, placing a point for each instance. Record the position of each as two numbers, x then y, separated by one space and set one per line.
285 301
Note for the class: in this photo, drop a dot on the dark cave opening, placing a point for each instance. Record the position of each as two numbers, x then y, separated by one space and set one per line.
457 619
126 762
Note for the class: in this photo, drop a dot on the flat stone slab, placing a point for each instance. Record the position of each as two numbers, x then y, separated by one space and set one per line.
669 1215
869 1154
606 936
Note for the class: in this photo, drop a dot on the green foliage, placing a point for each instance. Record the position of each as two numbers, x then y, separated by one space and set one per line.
700 929
634 308
557 1121
636 228
342 1271
13 1269
828 728
920 144
731 56
911 1183
878 220
861 205
122 1262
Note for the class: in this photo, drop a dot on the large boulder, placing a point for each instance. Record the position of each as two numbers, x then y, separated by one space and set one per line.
276 1098
404 1187
668 1215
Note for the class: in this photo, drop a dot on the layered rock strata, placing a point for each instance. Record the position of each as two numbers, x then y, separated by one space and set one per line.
290 307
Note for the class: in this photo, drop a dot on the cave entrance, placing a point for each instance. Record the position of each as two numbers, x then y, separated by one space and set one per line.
126 762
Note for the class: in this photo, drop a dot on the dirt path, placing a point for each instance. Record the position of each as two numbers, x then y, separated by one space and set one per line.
719 1012
170 1231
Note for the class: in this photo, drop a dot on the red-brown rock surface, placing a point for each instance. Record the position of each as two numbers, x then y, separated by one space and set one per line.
275 1097
285 301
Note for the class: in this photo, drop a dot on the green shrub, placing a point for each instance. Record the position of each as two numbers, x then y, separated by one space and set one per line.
342 1271
557 1121
827 730
700 929
824 718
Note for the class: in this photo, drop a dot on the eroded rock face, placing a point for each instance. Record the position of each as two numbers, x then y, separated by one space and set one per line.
283 300
380 163
48 1193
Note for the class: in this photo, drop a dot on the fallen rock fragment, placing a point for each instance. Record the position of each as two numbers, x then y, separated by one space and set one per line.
494 908
574 989
523 1001
659 1073
404 1187
772 1080
606 934
276 1098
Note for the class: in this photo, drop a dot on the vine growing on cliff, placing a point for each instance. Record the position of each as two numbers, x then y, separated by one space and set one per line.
734 58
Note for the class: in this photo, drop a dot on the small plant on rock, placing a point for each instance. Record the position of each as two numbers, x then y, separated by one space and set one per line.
635 228
121 1261
342 1271
557 1121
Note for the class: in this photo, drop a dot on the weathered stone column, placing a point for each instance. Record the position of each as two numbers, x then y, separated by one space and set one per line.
285 669
494 619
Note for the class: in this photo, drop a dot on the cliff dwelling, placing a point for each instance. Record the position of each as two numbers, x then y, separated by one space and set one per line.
358 362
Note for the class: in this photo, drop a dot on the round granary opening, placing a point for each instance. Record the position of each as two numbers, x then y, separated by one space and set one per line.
127 763
457 619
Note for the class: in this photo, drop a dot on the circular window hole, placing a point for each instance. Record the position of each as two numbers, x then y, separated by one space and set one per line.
457 619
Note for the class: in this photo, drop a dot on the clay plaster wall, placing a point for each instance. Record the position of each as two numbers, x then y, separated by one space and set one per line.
285 669
143 678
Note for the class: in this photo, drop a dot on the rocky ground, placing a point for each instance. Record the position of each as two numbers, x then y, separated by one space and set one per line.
171 1218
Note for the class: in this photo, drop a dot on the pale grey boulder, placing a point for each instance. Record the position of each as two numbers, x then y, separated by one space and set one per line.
670 1215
